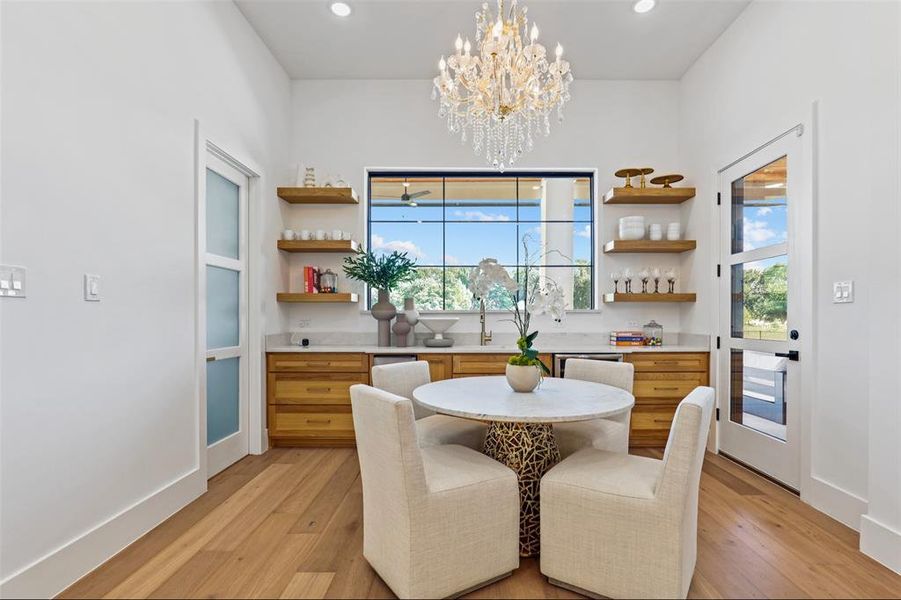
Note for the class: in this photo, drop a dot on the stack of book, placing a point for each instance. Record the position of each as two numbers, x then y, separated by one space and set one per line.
311 280
627 338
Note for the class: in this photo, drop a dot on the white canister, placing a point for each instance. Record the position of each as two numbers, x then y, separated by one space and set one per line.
674 231
288 234
345 235
320 234
655 232
337 234
304 234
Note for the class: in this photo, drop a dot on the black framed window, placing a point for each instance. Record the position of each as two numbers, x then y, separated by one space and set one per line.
450 221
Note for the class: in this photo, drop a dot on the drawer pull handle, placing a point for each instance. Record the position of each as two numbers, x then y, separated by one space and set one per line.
666 362
665 389
321 363
319 390
664 421
319 421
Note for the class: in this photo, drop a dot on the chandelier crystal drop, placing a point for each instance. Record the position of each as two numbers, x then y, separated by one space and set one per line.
504 94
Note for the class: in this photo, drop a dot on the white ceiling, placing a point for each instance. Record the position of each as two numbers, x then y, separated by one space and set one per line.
397 39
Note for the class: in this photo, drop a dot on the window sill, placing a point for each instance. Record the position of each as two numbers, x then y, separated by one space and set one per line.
433 313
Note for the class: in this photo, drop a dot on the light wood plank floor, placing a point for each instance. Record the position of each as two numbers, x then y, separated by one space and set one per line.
289 524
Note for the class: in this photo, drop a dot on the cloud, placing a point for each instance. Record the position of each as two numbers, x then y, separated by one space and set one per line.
757 234
450 259
379 243
764 211
477 215
585 232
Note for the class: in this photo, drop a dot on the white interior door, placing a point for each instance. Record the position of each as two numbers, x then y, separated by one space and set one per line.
759 361
225 218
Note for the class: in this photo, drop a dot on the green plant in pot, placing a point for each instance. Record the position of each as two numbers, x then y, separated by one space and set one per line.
382 272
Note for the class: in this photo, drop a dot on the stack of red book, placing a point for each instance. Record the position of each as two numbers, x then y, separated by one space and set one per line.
311 280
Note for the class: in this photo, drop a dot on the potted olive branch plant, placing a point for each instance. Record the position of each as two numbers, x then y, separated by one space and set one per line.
524 370
382 272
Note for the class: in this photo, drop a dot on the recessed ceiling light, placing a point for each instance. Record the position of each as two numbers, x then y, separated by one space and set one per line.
342 9
643 6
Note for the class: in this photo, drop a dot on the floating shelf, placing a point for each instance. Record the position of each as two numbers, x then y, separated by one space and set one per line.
318 195
298 297
662 297
318 246
623 246
638 195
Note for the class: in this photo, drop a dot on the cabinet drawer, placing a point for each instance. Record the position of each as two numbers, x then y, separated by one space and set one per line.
653 418
440 365
487 364
666 385
674 362
321 361
313 388
299 421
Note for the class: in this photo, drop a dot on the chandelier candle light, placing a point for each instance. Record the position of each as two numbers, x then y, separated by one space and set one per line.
505 93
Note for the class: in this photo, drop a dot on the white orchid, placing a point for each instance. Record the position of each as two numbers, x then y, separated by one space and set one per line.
488 274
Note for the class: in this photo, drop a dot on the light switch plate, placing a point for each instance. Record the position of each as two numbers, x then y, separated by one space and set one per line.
842 292
12 281
91 287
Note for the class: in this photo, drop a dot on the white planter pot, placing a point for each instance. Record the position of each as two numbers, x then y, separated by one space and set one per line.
523 379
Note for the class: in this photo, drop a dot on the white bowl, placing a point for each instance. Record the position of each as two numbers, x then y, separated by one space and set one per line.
438 325
632 221
631 234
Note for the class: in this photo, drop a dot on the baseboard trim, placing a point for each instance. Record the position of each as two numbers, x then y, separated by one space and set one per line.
881 543
53 573
840 504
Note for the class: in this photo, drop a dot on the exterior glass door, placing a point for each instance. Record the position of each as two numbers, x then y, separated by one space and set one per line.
226 300
759 362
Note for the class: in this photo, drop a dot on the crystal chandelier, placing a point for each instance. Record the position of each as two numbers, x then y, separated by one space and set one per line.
506 92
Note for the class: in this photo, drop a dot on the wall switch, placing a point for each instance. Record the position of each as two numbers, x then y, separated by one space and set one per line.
842 292
91 288
12 281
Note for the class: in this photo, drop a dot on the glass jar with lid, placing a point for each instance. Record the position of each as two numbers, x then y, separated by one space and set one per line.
328 282
653 334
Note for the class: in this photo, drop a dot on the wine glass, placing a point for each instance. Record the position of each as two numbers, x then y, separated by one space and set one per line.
627 277
616 276
671 279
656 274
644 275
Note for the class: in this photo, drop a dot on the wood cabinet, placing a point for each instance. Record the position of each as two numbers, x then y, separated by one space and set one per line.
308 397
440 365
470 365
661 382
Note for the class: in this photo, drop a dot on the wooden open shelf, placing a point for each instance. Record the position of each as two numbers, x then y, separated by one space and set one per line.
318 195
300 297
662 297
318 246
623 246
657 195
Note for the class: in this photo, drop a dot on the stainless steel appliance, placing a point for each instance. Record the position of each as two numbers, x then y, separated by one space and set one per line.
560 360
387 359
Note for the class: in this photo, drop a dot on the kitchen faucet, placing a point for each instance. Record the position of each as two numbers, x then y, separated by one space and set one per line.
484 337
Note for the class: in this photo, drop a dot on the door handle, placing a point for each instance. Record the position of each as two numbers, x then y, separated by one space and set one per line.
790 355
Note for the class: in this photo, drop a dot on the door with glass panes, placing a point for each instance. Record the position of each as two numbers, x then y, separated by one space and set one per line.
759 362
225 209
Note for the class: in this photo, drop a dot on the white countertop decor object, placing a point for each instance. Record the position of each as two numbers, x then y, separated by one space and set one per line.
554 401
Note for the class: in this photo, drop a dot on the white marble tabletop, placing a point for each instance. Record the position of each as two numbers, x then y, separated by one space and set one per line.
556 400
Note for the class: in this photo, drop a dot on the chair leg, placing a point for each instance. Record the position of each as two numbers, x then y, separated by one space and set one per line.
572 588
481 585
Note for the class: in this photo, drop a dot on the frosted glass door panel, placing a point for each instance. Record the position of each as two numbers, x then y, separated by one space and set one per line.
223 381
222 307
223 216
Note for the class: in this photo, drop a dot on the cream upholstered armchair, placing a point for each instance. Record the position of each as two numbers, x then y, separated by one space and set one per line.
437 521
626 526
611 433
431 429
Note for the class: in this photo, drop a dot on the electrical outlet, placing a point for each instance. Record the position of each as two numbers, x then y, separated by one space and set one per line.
303 324
12 281
842 292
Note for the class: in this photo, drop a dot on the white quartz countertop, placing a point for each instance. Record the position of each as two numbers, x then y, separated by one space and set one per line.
555 348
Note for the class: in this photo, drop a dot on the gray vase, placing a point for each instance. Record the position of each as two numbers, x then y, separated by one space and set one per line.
383 311
401 328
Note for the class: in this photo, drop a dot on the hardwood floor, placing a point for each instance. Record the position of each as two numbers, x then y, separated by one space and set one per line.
289 524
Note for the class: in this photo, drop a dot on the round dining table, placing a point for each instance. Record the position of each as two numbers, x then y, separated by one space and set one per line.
520 431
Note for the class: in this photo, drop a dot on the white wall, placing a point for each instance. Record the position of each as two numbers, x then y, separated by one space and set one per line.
340 127
760 78
99 416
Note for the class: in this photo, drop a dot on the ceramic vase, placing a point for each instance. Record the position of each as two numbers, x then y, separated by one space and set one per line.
412 318
383 311
401 328
523 378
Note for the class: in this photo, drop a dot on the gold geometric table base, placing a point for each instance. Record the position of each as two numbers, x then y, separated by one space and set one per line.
530 449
